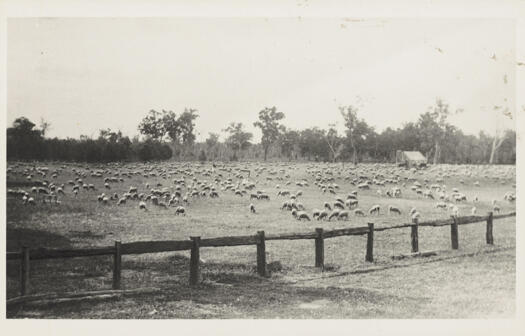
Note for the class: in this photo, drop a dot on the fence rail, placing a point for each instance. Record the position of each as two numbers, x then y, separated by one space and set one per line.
195 243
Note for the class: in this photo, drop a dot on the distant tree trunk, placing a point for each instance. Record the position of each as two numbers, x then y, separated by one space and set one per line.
436 153
265 152
496 144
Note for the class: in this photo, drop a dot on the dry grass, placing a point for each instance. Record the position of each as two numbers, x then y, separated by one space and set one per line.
230 286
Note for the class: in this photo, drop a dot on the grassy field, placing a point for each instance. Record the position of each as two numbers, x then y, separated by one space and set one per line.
475 281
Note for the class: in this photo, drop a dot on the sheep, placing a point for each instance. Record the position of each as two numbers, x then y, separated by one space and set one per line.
339 205
473 210
31 201
441 205
334 214
496 208
393 209
322 215
359 212
252 208
106 185
302 215
316 213
142 206
455 210
350 203
413 211
121 201
343 215
180 211
327 206
375 209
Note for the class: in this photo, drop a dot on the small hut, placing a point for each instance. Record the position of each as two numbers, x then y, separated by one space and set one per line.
410 159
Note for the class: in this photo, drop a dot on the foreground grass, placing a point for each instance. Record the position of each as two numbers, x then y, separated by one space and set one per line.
431 288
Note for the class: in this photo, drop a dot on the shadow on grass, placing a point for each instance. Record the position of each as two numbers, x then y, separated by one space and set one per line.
18 237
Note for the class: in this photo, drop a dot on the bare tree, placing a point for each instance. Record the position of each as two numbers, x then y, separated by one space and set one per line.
44 126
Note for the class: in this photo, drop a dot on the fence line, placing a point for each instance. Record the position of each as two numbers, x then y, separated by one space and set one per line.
259 239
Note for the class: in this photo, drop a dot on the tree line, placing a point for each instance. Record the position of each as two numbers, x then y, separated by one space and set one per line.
167 134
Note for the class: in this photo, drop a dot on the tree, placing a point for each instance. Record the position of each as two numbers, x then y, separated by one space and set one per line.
153 125
334 142
44 126
187 124
357 130
433 126
238 139
211 144
289 141
23 141
271 129
499 136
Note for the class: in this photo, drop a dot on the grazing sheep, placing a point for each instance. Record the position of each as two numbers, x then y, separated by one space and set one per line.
496 208
31 201
180 211
441 205
339 205
350 203
334 214
473 210
359 212
322 215
412 211
327 206
393 209
142 205
302 215
122 201
315 213
252 208
343 215
375 209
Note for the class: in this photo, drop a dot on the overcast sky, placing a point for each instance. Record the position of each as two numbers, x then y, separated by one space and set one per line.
82 75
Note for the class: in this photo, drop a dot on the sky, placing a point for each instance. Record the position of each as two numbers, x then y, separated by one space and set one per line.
86 74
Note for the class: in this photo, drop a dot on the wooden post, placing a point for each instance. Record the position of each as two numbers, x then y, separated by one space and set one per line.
24 271
414 235
454 233
261 254
319 248
489 237
117 265
195 261
370 243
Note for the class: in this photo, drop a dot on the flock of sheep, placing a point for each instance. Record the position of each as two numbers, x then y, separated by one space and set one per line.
176 185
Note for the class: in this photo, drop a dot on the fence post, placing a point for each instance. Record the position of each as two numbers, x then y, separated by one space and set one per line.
319 248
489 237
195 261
24 271
370 243
117 265
261 254
454 233
414 235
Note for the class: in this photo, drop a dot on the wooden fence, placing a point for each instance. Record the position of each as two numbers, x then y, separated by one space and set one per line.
259 239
